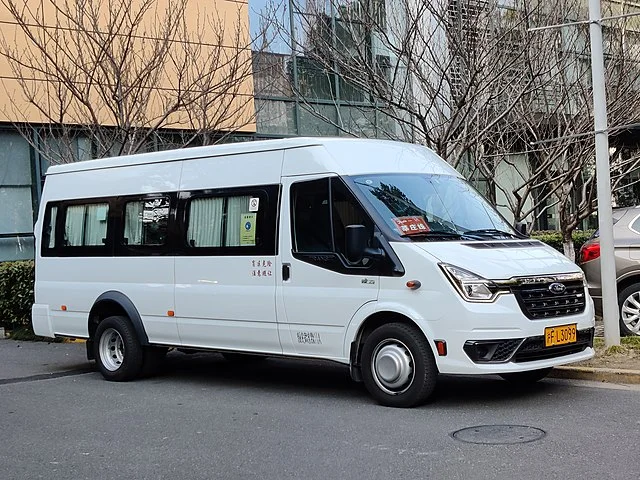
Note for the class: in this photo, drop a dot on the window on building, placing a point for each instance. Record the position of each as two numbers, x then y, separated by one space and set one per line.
145 222
86 225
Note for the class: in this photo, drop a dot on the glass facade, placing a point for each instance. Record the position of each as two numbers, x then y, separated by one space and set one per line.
295 94
16 197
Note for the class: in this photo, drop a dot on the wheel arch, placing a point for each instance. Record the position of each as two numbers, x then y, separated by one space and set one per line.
368 325
627 281
115 303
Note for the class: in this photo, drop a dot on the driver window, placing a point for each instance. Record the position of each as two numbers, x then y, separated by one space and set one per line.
311 217
320 216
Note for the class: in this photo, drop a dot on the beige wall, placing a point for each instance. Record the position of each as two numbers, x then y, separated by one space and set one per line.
212 27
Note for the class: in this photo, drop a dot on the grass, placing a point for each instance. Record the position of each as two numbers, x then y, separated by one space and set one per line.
627 345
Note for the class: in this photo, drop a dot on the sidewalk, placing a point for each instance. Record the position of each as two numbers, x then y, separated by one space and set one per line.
26 360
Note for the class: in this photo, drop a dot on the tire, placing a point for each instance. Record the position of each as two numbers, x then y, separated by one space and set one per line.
243 357
629 305
526 378
117 351
398 368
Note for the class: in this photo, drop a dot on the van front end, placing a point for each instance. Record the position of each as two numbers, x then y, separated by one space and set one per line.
528 310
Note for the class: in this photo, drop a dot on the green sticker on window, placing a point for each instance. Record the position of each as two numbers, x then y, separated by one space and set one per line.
248 229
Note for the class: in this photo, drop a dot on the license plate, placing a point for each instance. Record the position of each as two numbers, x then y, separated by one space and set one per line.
560 335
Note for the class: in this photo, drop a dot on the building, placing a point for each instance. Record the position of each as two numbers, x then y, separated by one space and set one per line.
108 78
466 77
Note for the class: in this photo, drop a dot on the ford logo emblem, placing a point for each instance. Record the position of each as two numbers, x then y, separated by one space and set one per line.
557 288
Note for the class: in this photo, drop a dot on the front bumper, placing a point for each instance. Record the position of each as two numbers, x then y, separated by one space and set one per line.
522 350
512 342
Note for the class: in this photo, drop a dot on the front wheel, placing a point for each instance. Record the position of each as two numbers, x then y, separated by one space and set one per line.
117 351
526 378
398 368
629 303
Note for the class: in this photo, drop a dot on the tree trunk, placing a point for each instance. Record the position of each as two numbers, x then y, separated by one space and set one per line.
567 246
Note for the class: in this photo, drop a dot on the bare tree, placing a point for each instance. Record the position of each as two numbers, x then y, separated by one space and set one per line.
117 77
552 127
473 81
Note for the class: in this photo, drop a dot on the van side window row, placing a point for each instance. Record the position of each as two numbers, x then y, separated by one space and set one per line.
223 222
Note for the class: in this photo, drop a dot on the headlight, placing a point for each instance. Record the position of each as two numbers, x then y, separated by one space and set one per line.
472 287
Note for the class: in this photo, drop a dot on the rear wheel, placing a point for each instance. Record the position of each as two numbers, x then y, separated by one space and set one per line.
398 367
117 351
629 303
526 378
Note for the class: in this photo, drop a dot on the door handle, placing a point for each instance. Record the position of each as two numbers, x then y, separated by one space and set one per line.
286 271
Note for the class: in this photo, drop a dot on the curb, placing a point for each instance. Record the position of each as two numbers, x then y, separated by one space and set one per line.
608 375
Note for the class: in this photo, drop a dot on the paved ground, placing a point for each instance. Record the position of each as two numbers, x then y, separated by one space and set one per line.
204 418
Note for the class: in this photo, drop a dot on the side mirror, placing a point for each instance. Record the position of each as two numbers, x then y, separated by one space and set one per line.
356 239
356 244
521 228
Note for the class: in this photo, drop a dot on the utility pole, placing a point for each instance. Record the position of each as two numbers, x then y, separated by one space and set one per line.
610 312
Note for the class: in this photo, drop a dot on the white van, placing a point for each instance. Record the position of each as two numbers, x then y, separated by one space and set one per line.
374 254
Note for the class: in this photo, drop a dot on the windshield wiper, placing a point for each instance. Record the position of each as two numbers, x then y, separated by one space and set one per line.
491 232
435 233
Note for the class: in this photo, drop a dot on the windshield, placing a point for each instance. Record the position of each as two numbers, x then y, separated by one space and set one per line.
424 206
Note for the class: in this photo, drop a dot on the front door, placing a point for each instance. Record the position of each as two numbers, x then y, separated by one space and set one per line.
319 290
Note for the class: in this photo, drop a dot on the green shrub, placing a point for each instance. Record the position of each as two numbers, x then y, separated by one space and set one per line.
16 294
553 238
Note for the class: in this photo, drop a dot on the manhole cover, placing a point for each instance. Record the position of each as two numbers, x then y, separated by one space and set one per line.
499 434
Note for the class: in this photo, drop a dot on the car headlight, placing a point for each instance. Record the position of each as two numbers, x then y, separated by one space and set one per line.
472 287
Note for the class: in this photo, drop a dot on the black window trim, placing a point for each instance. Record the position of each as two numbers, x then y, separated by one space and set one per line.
390 265
266 228
124 249
60 249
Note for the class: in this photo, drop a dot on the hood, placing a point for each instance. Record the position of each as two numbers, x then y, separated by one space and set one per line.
503 259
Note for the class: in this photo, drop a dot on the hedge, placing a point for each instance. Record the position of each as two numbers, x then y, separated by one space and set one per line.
16 294
553 238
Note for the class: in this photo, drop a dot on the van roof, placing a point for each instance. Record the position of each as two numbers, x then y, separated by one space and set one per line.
203 152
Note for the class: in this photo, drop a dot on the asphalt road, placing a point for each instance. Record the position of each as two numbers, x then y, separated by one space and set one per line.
205 418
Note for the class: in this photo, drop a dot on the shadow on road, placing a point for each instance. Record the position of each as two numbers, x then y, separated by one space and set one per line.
332 379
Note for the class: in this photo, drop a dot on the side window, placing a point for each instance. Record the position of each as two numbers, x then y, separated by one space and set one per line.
310 205
346 211
222 222
636 225
145 222
321 210
86 225
49 228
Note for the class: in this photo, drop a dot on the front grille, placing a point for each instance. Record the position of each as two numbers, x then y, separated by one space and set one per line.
533 347
538 301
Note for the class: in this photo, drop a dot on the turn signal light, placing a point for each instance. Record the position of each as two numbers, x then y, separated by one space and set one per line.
63 308
441 347
171 313
589 252
413 284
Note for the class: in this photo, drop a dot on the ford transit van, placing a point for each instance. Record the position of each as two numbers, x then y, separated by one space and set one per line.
374 254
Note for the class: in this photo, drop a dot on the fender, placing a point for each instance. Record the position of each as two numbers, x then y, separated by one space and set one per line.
370 308
127 305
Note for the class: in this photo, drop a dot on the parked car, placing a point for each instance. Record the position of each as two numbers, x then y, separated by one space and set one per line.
626 239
